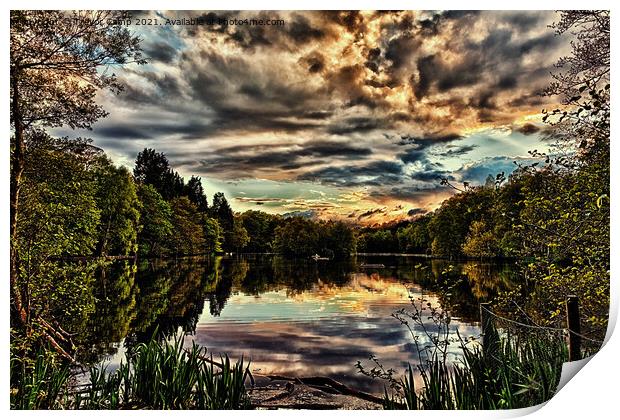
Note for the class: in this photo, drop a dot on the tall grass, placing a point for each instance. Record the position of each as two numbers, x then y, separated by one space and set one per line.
40 385
155 375
514 372
521 373
509 369
162 375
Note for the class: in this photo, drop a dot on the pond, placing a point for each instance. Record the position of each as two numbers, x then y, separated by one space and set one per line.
289 317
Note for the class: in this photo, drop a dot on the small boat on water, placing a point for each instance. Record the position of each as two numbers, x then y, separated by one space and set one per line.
317 257
364 265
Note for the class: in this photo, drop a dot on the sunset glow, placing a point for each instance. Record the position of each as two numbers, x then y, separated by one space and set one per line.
377 106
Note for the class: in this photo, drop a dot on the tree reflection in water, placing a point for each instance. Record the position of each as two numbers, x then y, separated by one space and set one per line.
167 297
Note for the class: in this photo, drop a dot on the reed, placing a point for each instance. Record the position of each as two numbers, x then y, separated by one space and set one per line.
162 375
518 372
155 375
511 368
38 385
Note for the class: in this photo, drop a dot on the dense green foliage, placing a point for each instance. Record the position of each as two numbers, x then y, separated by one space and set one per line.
221 211
239 237
213 235
477 222
156 218
178 219
260 227
119 205
298 237
187 230
58 217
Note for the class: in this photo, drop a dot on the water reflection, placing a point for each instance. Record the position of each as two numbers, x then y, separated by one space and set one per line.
293 318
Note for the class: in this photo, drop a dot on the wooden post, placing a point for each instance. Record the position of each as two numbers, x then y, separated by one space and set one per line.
484 319
490 337
574 328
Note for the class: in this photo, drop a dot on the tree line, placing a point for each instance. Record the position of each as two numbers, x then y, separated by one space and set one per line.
152 212
178 220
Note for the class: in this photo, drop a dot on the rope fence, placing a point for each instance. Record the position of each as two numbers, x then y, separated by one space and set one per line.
539 327
571 333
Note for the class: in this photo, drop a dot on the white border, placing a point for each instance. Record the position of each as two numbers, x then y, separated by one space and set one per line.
591 394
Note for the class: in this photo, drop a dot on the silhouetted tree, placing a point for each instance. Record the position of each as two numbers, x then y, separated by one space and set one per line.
221 211
196 193
153 168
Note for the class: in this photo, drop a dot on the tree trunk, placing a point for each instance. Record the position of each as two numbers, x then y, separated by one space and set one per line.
17 168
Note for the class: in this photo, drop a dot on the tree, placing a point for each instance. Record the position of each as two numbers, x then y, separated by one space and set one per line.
118 202
415 236
187 234
506 212
221 211
156 222
448 230
260 227
564 218
565 224
153 168
239 237
451 222
297 237
213 235
55 58
480 242
196 193
378 240
338 239
57 217
582 127
176 184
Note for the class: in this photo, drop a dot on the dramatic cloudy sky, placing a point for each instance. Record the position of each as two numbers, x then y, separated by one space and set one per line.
348 115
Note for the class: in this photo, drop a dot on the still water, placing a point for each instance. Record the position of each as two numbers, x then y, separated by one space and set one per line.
293 318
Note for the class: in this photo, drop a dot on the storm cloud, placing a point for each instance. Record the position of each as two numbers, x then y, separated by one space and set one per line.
387 102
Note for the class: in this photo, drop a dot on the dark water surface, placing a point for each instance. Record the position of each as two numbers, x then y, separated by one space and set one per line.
294 318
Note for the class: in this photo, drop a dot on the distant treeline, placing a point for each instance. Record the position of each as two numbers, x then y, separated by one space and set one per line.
102 209
480 222
177 219
523 215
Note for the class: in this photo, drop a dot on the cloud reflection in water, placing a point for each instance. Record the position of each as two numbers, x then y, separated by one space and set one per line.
321 331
